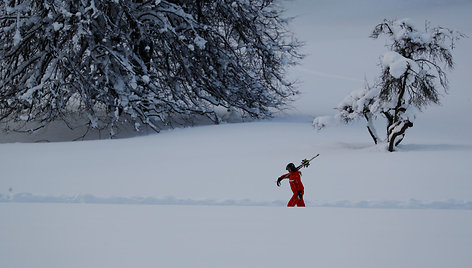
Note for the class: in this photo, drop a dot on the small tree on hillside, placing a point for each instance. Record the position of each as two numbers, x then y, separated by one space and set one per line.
147 62
410 79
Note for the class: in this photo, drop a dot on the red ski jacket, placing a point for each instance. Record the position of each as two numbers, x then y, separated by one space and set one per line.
295 181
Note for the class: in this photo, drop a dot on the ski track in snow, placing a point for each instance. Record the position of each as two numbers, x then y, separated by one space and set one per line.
451 204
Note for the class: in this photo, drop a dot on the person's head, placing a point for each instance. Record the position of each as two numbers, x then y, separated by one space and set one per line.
291 167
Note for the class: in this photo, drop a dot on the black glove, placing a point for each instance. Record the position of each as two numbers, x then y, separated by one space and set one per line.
300 195
279 180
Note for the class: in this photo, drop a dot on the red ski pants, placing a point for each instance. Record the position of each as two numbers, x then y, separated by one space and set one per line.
295 201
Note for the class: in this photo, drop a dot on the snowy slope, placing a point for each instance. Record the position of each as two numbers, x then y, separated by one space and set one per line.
241 162
206 196
36 235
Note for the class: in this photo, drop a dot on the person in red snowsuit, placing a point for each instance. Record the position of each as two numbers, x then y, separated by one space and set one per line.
294 177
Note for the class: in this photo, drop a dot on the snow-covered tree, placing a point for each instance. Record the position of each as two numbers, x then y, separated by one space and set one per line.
411 78
147 62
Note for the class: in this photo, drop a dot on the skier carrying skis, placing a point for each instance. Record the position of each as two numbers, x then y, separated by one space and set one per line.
295 183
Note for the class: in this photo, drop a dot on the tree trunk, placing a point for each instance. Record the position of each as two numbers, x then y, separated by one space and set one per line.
371 128
397 125
396 133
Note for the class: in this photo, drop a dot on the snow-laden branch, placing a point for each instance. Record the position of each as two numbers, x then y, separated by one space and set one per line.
143 61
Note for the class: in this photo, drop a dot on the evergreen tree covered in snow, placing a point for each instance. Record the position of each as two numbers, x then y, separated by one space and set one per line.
411 78
147 62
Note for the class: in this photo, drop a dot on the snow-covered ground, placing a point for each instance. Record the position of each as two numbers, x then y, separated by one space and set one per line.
238 163
39 235
206 196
